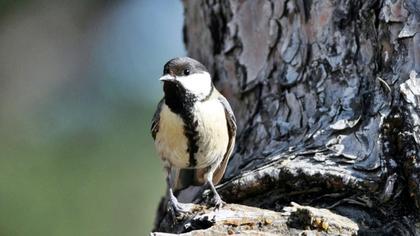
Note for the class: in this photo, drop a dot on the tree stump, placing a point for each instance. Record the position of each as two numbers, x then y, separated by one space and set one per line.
327 102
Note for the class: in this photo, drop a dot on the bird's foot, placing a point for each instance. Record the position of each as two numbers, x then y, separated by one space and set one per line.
215 201
177 209
218 202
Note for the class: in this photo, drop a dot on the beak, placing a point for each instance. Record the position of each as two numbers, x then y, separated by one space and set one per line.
167 78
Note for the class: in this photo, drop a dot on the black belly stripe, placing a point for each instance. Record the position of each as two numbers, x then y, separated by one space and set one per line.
181 103
190 131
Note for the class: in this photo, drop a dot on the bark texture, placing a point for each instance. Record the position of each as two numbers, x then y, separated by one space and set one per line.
327 102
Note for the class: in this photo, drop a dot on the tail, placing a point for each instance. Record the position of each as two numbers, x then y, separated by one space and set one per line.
188 177
195 177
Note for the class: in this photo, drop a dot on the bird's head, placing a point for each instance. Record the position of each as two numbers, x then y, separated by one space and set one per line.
187 74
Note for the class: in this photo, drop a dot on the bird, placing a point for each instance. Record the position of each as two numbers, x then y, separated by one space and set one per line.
193 128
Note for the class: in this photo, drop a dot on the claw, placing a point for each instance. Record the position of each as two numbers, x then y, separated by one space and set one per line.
178 209
218 202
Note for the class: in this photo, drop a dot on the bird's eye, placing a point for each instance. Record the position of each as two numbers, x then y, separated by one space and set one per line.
186 71
165 71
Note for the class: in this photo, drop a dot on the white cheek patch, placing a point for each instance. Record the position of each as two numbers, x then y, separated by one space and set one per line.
198 84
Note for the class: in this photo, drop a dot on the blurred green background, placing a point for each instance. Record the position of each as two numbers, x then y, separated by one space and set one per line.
78 87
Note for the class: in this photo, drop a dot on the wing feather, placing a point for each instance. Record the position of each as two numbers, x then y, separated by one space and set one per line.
231 125
155 120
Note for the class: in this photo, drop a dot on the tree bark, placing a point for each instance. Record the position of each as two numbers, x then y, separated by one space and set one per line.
327 103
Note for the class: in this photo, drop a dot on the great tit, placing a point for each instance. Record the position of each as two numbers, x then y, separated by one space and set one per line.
193 128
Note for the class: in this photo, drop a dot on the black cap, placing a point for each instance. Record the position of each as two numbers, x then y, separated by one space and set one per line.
183 66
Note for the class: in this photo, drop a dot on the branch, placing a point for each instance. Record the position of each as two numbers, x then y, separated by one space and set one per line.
234 219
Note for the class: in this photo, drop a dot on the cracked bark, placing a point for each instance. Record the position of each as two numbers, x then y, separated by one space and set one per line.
327 102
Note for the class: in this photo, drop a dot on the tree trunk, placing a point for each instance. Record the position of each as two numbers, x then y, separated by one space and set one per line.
328 108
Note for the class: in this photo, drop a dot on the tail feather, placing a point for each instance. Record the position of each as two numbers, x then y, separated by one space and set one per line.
188 177
195 177
220 171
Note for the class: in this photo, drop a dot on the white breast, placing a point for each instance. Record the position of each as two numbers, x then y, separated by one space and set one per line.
172 144
214 137
170 141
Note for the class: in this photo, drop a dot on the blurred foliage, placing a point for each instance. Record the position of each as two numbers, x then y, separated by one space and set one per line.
7 5
76 155
82 185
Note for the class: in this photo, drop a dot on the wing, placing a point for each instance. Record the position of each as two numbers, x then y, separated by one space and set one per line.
155 121
231 125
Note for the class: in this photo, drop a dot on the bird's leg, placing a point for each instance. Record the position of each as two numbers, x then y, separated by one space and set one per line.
217 200
177 207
